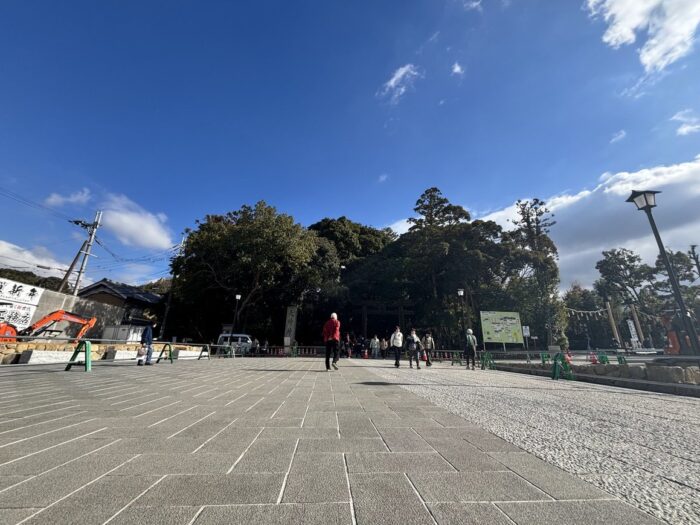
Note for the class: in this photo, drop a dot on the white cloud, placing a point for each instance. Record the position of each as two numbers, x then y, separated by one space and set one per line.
591 221
38 260
689 122
133 225
400 227
472 5
457 69
400 82
618 136
669 25
383 178
79 197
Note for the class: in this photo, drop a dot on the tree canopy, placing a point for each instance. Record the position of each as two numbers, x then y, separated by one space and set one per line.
370 276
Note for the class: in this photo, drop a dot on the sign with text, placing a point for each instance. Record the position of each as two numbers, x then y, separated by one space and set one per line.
18 301
501 327
526 331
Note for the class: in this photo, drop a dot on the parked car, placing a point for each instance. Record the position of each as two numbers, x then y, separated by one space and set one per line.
242 343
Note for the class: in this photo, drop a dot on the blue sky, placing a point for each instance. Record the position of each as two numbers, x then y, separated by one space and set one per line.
162 112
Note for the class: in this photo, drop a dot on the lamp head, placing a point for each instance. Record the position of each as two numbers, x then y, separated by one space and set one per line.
643 200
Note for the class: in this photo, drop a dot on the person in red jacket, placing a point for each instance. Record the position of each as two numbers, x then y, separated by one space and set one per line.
331 337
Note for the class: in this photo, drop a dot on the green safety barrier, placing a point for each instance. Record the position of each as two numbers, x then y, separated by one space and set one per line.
603 358
621 360
487 361
545 358
206 349
561 368
169 348
86 347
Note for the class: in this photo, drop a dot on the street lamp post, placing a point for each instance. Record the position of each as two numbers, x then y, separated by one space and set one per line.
645 201
460 293
235 315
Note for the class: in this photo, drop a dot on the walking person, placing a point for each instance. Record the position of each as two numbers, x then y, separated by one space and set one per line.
428 347
374 347
470 348
383 345
396 343
413 348
146 344
331 338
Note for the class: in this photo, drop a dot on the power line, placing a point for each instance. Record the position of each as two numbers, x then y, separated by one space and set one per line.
43 267
32 204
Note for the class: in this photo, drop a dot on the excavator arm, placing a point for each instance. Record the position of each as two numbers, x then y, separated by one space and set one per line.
49 320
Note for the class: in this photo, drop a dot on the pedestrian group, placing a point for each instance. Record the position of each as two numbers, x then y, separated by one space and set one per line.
416 348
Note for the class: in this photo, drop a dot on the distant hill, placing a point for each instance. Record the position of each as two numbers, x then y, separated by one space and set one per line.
50 283
161 286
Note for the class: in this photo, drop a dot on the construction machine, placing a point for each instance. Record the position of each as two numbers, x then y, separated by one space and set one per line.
9 333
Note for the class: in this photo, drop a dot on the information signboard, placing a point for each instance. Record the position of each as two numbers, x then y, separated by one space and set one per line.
18 301
501 327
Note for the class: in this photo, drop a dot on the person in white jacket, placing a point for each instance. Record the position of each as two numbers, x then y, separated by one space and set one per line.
396 344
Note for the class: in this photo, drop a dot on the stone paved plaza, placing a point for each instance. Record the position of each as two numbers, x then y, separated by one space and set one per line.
271 441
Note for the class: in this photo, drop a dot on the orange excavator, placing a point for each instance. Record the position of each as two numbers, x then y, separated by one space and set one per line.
9 333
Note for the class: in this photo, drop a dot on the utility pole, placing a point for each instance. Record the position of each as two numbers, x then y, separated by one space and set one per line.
170 293
64 282
92 230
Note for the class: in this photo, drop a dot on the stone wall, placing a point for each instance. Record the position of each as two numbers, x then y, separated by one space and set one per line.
10 353
106 314
686 374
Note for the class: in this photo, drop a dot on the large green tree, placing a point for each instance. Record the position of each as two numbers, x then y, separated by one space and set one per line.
255 252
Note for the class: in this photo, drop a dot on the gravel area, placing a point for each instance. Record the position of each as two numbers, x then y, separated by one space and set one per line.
639 446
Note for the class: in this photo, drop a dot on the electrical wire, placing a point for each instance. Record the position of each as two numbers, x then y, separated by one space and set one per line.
43 267
33 204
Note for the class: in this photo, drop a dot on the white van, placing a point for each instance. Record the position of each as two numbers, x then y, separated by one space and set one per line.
242 343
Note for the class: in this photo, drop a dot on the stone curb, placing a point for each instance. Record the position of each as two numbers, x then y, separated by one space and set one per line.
636 384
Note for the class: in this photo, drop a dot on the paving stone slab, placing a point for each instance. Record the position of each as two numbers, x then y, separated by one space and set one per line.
347 445
182 463
321 420
405 422
404 440
576 513
298 433
16 515
44 490
308 514
141 515
267 455
8 481
316 478
463 456
468 514
475 487
552 480
83 514
388 499
214 490
397 462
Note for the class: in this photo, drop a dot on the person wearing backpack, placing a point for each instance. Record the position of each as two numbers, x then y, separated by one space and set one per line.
470 350
396 343
413 348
